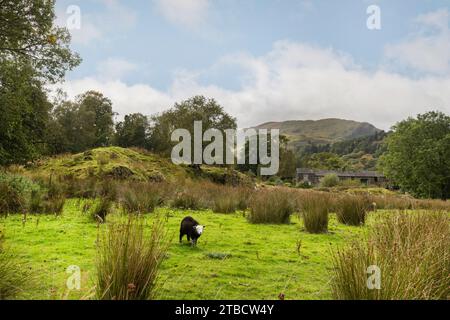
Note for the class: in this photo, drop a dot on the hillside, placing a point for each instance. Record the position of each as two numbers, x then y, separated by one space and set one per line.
325 131
131 164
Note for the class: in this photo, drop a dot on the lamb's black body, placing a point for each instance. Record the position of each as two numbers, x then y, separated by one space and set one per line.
188 228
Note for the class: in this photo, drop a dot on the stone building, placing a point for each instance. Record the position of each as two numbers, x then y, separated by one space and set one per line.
313 177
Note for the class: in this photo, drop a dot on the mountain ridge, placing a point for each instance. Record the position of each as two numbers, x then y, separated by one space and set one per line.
322 131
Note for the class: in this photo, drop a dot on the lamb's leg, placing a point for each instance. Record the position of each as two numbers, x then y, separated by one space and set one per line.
181 237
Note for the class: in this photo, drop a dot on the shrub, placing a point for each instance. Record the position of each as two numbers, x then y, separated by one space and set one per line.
15 193
352 210
274 181
303 185
349 183
43 204
329 181
274 206
314 211
128 261
50 200
411 250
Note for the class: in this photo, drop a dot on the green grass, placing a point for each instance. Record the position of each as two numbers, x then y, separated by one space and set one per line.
261 260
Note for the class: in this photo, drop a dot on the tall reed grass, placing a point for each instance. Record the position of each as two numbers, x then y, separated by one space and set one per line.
129 259
352 210
314 210
14 277
410 249
270 207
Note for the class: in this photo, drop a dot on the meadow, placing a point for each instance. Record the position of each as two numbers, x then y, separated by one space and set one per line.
233 260
260 241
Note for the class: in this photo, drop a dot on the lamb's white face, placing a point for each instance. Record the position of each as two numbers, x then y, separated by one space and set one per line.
199 229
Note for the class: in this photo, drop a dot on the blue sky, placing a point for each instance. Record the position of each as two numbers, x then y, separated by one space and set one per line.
266 59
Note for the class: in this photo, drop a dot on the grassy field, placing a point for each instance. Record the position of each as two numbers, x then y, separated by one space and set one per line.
261 261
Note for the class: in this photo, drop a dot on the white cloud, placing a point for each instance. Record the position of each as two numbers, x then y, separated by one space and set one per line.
115 68
428 49
185 13
126 98
113 17
292 81
87 34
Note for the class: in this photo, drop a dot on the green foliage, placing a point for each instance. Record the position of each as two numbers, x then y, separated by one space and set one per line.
24 114
418 155
28 35
355 154
324 161
33 52
84 124
128 261
275 181
182 116
15 193
329 181
133 131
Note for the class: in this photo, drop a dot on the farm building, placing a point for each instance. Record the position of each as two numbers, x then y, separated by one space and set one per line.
313 177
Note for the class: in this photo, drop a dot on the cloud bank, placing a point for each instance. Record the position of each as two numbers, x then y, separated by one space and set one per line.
299 81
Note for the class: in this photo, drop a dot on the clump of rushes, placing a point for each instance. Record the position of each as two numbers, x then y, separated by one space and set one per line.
101 209
352 210
138 201
128 260
270 207
186 200
314 211
409 249
13 276
225 204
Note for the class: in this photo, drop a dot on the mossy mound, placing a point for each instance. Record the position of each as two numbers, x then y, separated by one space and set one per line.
131 164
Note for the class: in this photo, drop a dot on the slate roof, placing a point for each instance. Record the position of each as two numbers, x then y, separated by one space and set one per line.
359 174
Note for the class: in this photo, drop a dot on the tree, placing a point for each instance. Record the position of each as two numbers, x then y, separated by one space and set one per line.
417 156
288 160
133 131
182 116
324 161
28 35
329 180
33 52
82 124
98 114
24 114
